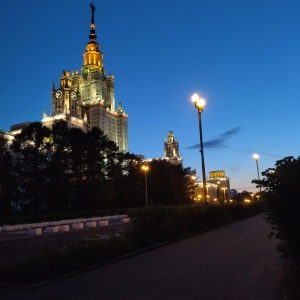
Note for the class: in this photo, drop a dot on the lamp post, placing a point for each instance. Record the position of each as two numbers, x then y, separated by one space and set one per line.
199 105
145 169
256 157
194 178
218 192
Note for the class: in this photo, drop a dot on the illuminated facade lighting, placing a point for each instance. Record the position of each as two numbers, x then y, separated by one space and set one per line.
87 99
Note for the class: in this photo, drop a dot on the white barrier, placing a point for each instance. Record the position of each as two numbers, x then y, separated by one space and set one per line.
91 224
103 222
51 229
100 221
77 226
63 228
7 228
34 231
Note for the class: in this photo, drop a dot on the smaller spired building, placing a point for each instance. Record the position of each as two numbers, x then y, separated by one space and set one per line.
219 184
218 188
172 150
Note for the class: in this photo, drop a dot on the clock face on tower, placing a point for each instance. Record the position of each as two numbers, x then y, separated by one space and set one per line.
58 94
73 95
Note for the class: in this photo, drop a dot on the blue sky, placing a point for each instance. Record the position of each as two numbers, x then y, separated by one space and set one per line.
241 56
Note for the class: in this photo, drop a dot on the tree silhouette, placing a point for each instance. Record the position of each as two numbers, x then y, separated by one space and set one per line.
6 178
281 199
31 148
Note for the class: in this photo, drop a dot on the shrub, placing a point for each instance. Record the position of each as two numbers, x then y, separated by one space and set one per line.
158 224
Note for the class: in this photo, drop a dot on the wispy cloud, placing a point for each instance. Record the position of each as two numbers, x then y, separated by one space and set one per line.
231 132
218 142
263 153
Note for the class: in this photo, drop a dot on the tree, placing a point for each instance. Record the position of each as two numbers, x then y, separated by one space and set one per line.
129 188
168 184
6 179
95 158
77 154
102 168
244 195
31 148
281 199
59 191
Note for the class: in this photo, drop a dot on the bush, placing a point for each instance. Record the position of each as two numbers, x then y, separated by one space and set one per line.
51 263
159 224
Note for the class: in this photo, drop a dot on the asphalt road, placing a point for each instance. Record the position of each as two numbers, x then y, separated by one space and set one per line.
237 262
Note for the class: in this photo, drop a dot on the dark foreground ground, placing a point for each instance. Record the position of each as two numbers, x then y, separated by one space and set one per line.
18 245
237 262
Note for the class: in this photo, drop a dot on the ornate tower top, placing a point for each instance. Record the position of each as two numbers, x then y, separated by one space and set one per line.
93 36
172 149
92 56
170 137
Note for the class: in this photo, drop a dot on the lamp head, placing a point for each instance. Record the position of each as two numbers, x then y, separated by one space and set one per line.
199 102
145 168
256 157
195 98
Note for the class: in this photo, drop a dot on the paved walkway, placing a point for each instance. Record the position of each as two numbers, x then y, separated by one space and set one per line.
236 262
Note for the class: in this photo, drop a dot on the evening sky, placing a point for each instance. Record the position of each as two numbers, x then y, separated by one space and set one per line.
242 56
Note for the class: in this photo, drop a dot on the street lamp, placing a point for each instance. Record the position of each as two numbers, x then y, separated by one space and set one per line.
145 169
199 105
193 178
256 157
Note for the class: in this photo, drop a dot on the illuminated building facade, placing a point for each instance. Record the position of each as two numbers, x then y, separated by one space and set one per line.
218 187
87 99
171 148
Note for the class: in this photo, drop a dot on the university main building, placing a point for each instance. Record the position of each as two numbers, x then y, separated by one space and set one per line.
87 99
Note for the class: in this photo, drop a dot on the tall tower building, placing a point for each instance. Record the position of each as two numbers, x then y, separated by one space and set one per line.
172 150
87 100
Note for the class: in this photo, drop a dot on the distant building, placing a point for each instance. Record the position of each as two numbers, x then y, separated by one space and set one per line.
19 127
8 136
171 151
87 99
171 148
218 188
14 130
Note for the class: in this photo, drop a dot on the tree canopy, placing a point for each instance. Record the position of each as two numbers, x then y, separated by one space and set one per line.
281 200
64 168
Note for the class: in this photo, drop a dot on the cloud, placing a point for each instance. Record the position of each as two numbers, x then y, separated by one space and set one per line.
218 142
262 153
231 132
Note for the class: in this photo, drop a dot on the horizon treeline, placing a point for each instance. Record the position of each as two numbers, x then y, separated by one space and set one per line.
63 169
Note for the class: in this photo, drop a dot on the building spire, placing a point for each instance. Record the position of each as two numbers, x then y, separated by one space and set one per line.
93 8
92 56
93 36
